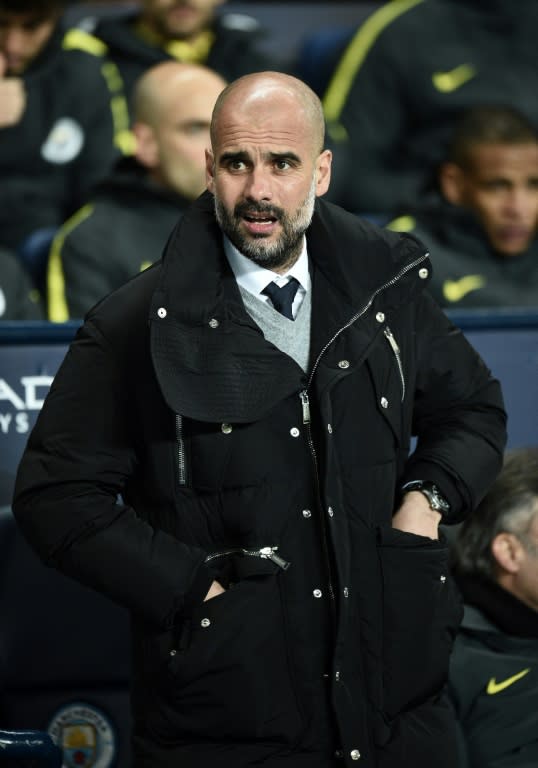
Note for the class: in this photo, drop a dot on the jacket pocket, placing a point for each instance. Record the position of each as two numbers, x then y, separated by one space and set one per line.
421 614
225 672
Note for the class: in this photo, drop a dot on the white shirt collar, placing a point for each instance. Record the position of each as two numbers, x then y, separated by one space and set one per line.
254 278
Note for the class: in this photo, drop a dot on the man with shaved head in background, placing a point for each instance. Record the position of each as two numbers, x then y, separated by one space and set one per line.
234 466
125 225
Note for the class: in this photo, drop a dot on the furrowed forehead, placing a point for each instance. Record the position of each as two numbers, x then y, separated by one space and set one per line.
270 108
262 136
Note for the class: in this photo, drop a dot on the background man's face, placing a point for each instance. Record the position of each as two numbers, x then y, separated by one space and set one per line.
22 37
182 136
180 19
526 584
500 185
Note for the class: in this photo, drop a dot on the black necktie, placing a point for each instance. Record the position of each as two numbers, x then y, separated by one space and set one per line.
282 298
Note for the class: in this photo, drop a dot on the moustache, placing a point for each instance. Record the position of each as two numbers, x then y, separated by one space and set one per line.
249 209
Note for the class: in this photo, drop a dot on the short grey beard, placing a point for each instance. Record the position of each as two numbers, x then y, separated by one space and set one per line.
283 253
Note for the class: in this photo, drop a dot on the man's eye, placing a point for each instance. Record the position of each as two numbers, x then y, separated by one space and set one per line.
236 165
193 129
282 165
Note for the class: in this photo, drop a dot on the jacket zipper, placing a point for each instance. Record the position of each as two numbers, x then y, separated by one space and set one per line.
305 402
362 311
265 553
181 464
397 354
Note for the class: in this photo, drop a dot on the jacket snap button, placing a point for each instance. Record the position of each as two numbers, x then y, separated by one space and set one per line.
339 754
161 312
443 579
337 676
423 273
307 513
384 402
346 592
173 652
329 429
205 622
213 323
343 364
355 754
226 428
380 317
294 432
317 593
330 512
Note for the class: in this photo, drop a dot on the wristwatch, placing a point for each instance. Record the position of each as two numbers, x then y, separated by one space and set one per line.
436 500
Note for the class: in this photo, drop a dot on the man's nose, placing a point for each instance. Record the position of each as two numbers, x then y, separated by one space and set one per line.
14 41
258 186
522 203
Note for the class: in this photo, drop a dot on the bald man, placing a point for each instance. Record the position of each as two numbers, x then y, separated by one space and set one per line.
234 466
125 225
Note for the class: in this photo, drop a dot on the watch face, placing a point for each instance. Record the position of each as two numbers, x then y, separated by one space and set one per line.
431 492
436 500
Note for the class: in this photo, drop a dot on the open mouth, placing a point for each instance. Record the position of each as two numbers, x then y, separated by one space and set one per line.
259 223
260 218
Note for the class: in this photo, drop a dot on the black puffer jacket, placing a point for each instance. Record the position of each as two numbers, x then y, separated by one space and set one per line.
69 137
336 629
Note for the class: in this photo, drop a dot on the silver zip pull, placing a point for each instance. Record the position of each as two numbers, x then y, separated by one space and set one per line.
306 406
397 354
268 553
392 341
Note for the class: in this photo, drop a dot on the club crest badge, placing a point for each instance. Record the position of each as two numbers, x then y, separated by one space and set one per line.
85 736
64 142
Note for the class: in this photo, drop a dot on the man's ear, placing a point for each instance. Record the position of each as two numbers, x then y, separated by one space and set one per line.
507 551
323 172
147 149
210 170
451 179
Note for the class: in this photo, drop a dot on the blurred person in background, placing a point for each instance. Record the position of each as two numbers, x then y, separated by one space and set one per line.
18 298
406 76
481 228
494 667
126 224
185 30
62 118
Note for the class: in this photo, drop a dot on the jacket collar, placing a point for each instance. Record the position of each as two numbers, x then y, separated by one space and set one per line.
212 360
491 608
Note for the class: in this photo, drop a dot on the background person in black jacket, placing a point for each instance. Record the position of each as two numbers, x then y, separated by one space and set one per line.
494 666
124 226
407 74
19 300
184 30
481 228
62 118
